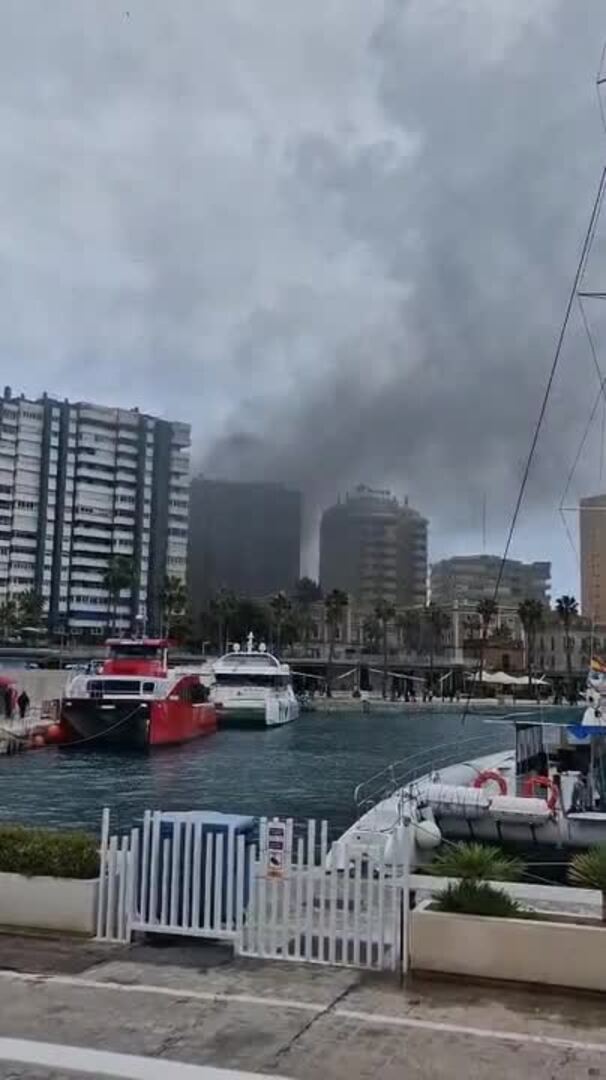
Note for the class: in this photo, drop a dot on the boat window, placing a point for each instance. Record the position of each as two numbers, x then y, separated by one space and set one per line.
99 687
250 679
148 687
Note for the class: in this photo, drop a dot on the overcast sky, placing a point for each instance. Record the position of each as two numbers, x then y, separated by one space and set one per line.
336 236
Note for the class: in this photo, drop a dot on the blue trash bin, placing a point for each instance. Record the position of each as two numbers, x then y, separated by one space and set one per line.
212 825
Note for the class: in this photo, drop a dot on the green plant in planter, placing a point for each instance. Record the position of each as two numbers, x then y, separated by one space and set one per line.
476 862
470 897
588 869
46 852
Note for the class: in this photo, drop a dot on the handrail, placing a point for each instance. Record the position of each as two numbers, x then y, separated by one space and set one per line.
386 782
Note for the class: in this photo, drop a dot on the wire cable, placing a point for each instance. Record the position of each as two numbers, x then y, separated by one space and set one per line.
587 243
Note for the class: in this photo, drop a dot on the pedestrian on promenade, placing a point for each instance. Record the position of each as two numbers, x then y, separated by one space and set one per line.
23 703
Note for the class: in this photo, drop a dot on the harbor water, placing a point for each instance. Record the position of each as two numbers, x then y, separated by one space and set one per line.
306 769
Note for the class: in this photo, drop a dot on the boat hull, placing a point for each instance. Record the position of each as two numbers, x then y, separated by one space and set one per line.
257 714
135 725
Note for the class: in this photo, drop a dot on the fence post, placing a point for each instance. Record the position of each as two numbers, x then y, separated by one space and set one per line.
102 889
403 840
132 883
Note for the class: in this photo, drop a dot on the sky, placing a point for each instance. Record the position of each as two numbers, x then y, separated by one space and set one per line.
337 238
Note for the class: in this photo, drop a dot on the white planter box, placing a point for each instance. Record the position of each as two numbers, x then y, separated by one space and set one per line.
522 950
48 903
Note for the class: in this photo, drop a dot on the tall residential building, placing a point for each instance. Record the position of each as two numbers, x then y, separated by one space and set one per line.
374 547
245 537
468 579
78 484
592 527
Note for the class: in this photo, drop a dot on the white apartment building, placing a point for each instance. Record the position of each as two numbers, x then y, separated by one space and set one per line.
80 483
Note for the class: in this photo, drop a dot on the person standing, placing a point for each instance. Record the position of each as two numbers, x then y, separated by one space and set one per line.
23 704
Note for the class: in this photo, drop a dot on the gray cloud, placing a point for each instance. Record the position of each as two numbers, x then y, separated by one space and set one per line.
337 238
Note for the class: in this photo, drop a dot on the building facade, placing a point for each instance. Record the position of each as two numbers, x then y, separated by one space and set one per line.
592 529
244 537
374 548
468 579
80 483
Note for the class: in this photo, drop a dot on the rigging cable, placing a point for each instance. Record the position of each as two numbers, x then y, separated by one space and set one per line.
587 243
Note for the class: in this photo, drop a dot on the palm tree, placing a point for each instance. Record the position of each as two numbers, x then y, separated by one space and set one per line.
30 608
280 607
371 631
567 609
173 600
486 609
408 625
437 622
530 614
223 607
8 617
476 862
384 612
118 575
588 869
335 604
307 592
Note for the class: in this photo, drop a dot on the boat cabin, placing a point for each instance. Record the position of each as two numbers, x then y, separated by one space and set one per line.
142 656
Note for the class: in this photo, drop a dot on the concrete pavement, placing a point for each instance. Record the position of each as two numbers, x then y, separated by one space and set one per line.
196 1004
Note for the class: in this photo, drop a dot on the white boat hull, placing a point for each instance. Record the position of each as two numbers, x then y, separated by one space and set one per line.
369 835
242 710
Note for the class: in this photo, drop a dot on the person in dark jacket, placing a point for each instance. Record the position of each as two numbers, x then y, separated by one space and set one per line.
23 704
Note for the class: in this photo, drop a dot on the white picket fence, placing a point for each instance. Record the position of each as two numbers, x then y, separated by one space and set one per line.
278 898
302 910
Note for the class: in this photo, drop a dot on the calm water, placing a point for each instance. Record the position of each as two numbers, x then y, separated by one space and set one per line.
306 769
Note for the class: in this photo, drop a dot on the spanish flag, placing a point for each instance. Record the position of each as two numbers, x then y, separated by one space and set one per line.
598 665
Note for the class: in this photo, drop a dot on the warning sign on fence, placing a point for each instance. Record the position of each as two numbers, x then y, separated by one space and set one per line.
276 848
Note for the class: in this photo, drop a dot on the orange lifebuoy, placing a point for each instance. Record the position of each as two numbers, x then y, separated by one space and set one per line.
542 782
490 774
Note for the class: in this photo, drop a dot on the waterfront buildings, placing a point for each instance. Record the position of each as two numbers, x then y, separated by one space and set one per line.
80 483
592 529
374 548
468 579
244 537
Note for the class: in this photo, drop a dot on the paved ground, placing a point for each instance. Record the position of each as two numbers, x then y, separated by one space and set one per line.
197 1004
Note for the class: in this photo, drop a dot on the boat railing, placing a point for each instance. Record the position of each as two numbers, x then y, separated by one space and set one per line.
385 783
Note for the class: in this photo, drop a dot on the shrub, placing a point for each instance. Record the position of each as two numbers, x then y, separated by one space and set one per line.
47 852
588 869
477 898
476 862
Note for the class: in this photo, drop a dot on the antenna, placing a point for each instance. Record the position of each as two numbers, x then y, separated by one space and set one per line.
484 523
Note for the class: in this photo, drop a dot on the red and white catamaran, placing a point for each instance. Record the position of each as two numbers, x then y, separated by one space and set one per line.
136 701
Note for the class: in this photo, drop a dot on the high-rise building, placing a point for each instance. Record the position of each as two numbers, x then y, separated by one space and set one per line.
80 483
592 527
374 548
467 579
244 537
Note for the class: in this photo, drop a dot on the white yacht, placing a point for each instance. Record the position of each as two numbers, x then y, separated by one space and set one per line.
253 687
